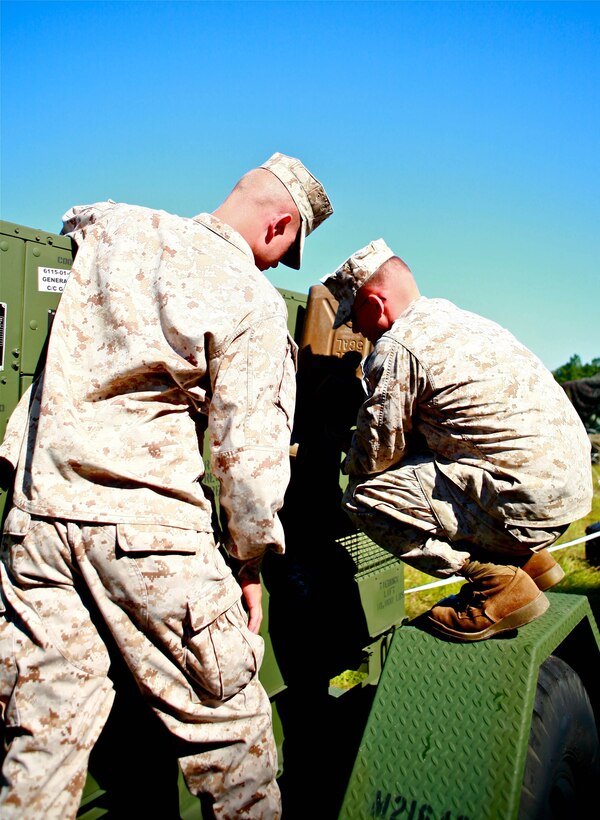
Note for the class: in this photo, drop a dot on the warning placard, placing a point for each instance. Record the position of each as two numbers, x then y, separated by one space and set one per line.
52 280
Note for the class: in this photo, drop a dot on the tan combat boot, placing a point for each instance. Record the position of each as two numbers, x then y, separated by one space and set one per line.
543 569
496 599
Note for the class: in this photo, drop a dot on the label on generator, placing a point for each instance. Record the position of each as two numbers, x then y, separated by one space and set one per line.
2 333
52 280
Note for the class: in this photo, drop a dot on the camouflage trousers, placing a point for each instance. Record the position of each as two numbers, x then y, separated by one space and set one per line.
174 612
416 513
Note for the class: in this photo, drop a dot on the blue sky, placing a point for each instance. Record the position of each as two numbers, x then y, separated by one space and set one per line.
467 135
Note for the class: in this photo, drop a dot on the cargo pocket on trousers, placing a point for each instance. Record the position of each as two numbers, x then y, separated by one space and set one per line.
222 656
153 538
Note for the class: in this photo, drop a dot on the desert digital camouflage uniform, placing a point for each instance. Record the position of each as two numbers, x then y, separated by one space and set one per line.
166 333
465 440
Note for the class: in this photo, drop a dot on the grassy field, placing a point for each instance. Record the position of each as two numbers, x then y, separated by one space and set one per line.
580 577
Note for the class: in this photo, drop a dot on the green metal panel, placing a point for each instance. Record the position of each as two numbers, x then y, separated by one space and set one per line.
33 268
382 597
88 808
448 732
12 261
296 305
47 268
380 579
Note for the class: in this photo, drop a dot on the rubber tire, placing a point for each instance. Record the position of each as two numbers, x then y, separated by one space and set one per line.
562 770
592 547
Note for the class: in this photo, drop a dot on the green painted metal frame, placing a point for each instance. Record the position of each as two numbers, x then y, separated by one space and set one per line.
448 733
28 311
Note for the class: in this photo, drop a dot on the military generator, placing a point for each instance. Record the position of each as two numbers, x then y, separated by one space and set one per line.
429 729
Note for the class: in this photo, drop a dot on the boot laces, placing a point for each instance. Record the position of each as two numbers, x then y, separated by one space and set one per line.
469 600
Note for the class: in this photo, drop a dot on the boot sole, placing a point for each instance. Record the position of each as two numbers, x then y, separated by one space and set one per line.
519 617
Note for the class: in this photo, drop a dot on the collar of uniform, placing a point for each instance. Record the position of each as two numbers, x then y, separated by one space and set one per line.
406 313
226 232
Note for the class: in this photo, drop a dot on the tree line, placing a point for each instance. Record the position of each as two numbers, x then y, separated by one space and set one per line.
575 369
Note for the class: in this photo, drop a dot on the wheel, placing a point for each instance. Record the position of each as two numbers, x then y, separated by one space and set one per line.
592 547
563 757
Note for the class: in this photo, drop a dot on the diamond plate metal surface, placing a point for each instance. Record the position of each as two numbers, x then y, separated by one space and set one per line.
447 736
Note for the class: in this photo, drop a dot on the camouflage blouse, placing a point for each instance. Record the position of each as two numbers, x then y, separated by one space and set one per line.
167 342
497 423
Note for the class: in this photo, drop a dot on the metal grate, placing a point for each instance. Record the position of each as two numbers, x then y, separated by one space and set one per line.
366 554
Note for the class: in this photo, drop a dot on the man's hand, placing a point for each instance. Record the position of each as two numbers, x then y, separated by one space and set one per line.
252 591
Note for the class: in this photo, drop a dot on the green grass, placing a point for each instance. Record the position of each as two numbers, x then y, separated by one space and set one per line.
580 577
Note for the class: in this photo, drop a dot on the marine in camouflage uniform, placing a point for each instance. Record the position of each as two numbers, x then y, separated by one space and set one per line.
168 336
467 457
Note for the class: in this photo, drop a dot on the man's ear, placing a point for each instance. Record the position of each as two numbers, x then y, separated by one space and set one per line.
277 226
377 303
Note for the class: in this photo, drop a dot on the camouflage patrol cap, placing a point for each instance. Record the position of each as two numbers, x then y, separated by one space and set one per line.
346 281
309 195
